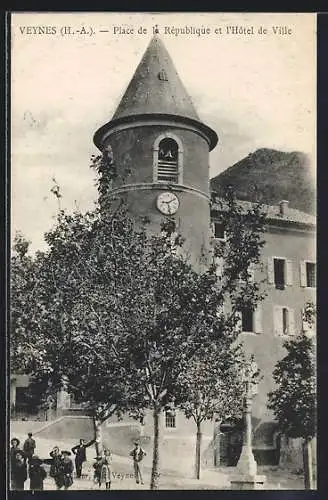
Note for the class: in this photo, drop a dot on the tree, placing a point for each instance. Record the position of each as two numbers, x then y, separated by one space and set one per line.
120 314
213 387
294 400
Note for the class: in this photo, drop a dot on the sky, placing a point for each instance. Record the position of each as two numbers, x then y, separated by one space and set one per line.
254 89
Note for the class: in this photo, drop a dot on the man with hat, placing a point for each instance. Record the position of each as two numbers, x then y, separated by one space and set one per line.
36 473
29 447
138 455
80 457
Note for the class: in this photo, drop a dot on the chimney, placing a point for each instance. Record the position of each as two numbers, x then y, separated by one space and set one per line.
283 205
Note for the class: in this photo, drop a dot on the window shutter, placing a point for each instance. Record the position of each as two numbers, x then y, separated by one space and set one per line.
305 324
258 320
251 272
303 273
239 322
270 270
277 319
219 266
289 272
307 328
291 322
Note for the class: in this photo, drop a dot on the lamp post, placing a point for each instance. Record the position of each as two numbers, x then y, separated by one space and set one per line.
246 463
246 477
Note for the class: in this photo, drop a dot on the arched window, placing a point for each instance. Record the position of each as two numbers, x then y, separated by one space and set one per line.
168 159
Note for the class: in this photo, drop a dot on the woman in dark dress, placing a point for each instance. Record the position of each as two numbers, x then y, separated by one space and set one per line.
66 470
14 450
18 472
37 474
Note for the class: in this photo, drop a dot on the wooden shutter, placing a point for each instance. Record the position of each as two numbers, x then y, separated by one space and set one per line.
307 328
270 270
289 272
239 322
213 228
277 319
303 273
291 319
219 266
258 320
305 324
251 272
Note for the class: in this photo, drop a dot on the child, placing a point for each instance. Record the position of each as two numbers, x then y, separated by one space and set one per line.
106 472
97 473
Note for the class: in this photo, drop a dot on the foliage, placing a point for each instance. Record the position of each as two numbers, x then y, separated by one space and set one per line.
119 315
213 386
294 400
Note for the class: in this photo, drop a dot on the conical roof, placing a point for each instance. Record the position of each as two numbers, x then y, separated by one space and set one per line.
156 87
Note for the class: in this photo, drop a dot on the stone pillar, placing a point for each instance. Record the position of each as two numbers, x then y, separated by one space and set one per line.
246 477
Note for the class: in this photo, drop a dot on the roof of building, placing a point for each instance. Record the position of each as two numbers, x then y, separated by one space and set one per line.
273 213
156 91
156 87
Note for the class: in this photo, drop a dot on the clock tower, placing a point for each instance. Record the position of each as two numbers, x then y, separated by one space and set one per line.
161 150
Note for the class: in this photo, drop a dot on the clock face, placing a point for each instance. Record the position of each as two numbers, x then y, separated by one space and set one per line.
167 203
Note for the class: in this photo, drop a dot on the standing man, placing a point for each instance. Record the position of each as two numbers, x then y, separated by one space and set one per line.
80 457
138 455
29 447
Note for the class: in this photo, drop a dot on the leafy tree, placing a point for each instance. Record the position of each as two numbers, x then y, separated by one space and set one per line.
119 314
213 387
294 400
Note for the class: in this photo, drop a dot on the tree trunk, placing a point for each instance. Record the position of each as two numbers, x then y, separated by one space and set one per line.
98 436
307 463
198 450
155 472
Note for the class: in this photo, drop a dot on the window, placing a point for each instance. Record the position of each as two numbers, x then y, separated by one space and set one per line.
308 274
250 321
279 272
167 159
219 231
170 419
247 320
167 166
283 321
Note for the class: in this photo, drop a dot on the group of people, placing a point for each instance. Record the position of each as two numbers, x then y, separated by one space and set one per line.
24 463
103 471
